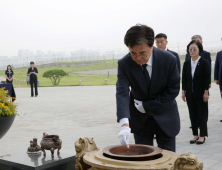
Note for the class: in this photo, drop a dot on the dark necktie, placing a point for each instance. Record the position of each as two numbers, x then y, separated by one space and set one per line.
146 76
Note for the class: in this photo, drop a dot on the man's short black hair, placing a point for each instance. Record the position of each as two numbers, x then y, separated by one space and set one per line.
139 34
199 45
160 35
31 62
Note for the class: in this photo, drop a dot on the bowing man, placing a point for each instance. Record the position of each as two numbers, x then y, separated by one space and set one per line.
148 83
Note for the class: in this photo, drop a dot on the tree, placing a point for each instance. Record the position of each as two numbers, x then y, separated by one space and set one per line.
55 75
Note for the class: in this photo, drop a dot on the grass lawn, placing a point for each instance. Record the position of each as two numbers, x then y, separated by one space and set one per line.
73 79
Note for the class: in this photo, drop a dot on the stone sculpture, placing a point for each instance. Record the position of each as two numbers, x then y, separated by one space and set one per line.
187 161
51 142
34 147
82 146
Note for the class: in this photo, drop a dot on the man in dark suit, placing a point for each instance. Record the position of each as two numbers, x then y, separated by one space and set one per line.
161 43
205 55
149 108
217 72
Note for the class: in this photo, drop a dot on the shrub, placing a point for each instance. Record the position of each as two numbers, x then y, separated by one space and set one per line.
55 75
7 108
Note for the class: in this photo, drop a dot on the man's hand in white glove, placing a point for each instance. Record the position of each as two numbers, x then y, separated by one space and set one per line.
124 136
139 105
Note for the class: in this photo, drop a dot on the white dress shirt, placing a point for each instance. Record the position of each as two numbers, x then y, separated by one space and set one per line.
194 65
149 69
193 68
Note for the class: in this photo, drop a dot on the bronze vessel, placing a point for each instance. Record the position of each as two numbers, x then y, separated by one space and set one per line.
133 153
51 142
34 147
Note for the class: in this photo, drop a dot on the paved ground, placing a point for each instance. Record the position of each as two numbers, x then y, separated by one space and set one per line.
73 112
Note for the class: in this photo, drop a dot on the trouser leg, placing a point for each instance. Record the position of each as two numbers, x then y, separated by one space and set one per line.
164 141
193 115
36 90
202 114
31 83
146 134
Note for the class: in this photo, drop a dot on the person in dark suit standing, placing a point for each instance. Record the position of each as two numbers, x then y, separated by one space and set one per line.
221 81
32 72
205 55
218 65
9 74
217 71
161 43
148 83
195 85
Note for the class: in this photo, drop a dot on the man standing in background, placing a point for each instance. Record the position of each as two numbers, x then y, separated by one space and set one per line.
161 43
217 70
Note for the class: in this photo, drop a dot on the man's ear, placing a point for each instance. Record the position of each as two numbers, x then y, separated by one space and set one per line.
166 42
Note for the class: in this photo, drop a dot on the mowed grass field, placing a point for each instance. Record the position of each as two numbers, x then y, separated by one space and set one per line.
73 79
72 68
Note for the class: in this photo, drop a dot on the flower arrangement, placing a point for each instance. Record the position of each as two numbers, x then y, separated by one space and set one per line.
7 108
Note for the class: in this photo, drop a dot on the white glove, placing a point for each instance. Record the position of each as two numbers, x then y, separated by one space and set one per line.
124 136
139 105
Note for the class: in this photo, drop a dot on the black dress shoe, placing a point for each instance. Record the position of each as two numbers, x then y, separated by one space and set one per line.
200 142
220 120
36 95
193 141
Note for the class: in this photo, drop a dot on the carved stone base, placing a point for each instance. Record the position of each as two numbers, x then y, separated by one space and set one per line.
38 152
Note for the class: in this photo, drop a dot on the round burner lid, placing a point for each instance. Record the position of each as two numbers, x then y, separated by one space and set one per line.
136 152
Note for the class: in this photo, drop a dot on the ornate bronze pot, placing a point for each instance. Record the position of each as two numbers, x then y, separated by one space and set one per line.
51 142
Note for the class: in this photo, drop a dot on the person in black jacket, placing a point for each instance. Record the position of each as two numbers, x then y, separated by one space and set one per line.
148 83
205 55
195 85
220 81
161 43
32 72
9 74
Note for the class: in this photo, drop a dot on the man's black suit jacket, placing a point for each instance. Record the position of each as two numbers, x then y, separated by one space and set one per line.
200 82
205 55
178 59
160 102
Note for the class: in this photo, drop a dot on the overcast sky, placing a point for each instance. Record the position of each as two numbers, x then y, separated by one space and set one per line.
67 25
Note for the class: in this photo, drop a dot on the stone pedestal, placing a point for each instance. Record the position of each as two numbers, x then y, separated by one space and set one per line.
23 161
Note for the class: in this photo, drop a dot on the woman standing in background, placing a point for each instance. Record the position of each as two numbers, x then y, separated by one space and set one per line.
9 74
195 85
32 72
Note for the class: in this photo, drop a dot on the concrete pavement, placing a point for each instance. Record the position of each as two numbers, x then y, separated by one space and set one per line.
72 112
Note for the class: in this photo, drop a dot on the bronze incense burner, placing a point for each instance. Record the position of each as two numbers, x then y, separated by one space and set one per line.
137 157
133 153
51 142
